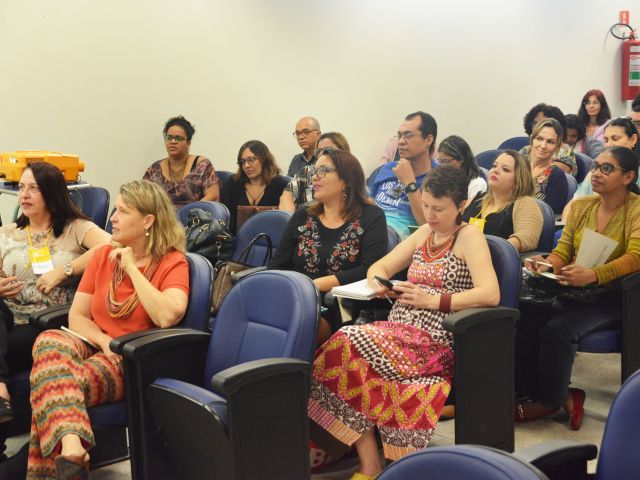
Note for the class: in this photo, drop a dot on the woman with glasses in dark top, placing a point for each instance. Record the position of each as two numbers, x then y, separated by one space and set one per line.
257 182
186 178
547 337
338 236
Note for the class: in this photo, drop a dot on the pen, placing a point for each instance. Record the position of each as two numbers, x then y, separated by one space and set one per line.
539 262
388 299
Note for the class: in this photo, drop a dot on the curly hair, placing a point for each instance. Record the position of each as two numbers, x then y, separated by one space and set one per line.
446 181
549 111
181 122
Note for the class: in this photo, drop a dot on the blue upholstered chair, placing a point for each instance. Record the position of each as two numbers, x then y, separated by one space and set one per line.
217 209
619 450
271 222
109 421
223 175
486 159
393 238
548 228
584 163
461 461
572 186
94 203
514 143
235 405
484 173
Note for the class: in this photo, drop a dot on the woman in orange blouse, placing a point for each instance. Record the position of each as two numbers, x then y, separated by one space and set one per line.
546 341
139 282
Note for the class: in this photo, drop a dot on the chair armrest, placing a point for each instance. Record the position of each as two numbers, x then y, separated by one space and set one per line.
630 281
160 343
460 322
555 455
117 344
233 379
52 317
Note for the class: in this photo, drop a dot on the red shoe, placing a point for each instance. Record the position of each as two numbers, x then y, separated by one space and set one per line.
575 417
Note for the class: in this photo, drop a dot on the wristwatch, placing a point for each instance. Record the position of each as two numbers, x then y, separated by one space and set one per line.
68 270
411 187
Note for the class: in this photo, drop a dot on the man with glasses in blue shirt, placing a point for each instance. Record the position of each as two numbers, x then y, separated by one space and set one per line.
397 186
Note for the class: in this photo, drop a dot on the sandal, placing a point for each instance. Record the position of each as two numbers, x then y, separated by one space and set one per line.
6 412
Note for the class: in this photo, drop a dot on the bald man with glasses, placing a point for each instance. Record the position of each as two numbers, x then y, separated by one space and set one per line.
307 133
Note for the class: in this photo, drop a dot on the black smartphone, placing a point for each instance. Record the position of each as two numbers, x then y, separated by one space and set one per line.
384 281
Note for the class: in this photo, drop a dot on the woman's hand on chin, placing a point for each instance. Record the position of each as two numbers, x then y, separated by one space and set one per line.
123 256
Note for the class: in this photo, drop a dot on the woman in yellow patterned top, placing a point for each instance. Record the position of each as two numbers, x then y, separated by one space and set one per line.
546 341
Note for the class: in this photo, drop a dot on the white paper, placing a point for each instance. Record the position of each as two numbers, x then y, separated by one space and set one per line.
595 249
357 290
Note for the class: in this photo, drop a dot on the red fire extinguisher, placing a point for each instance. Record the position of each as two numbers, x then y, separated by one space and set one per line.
630 62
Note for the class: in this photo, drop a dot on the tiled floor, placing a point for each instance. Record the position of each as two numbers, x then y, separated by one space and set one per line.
599 375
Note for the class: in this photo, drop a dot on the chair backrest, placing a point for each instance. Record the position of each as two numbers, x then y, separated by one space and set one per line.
371 178
545 244
484 173
271 222
217 209
485 159
514 143
506 263
584 163
620 448
572 186
223 175
94 203
461 461
200 291
393 238
269 314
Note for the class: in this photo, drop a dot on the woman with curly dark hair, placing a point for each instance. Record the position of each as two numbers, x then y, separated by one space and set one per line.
256 183
594 113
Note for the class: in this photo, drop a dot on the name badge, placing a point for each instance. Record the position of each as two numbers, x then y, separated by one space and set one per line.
478 222
40 260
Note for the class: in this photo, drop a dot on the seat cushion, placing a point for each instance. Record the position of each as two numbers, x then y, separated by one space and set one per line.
196 394
604 341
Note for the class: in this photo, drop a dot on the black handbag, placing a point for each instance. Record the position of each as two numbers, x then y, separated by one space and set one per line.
228 272
208 236
546 292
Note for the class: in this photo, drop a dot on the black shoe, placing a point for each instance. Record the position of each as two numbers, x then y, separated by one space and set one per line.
6 413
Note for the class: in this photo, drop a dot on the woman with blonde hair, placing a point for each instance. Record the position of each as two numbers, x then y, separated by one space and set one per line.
139 282
508 209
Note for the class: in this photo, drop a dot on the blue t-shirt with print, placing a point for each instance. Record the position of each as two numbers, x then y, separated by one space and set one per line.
389 195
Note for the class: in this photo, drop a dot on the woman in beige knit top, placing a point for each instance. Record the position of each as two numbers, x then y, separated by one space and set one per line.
508 208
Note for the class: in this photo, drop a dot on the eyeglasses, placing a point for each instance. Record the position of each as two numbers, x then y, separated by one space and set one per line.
248 161
605 168
594 103
177 138
406 135
303 133
31 188
320 172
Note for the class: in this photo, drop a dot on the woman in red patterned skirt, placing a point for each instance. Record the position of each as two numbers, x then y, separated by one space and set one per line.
140 282
394 376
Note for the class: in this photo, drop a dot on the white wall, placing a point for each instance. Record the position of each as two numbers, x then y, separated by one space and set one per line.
100 78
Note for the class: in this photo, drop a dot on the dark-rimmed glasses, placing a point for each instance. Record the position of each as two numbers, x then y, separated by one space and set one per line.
605 168
320 172
248 160
304 133
177 138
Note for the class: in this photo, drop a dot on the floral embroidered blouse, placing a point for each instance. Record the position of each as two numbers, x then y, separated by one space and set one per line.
347 252
191 188
552 187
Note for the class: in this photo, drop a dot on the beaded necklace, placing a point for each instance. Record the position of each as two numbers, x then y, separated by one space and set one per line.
432 252
123 309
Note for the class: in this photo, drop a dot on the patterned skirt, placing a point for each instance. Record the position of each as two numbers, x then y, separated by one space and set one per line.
390 375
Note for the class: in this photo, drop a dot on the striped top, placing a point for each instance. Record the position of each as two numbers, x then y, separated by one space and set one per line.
624 226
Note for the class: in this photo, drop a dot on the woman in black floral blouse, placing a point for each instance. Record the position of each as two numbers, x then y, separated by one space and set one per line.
336 238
